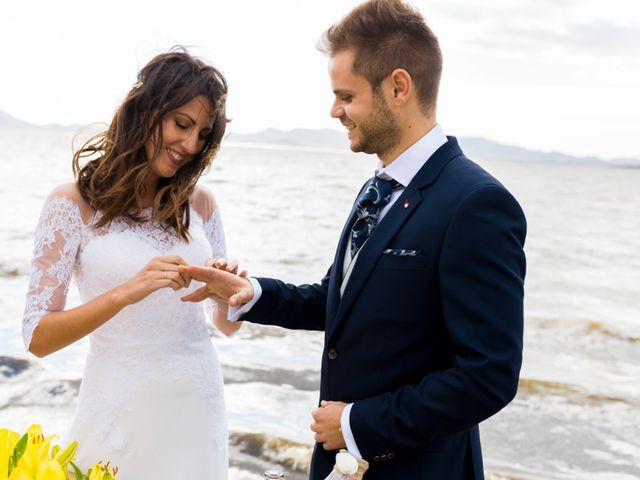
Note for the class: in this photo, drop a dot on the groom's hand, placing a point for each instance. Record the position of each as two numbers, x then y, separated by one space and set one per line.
326 425
229 266
232 288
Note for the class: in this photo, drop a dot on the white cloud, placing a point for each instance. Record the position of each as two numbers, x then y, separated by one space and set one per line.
549 74
581 27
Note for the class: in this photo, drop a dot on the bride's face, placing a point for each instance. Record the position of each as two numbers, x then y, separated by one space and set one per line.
184 131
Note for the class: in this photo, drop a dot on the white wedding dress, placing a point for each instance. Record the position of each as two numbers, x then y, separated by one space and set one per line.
151 400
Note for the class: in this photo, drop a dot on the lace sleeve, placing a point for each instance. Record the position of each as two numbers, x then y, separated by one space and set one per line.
215 234
56 243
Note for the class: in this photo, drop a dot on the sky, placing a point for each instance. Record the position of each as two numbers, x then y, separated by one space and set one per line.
551 75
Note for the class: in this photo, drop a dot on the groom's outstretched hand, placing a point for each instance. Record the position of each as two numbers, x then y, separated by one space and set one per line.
326 425
234 289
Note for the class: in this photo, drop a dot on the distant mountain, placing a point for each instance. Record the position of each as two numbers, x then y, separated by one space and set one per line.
475 147
300 136
487 149
624 163
7 120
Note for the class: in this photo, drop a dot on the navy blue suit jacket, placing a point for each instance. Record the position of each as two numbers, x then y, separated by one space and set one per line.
427 346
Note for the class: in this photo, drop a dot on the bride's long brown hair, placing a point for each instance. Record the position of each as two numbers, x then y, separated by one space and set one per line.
113 179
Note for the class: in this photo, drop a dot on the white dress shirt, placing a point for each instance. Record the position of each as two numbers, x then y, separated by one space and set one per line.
402 169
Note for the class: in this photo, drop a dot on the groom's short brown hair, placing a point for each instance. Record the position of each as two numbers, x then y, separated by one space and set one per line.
385 35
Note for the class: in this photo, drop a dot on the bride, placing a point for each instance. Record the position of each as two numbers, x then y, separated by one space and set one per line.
151 400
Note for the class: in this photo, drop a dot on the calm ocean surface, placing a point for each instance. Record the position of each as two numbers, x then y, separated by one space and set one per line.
577 413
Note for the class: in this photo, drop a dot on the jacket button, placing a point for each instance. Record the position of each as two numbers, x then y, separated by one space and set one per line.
332 353
384 457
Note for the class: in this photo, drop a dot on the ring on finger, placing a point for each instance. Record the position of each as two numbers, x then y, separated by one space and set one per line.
165 274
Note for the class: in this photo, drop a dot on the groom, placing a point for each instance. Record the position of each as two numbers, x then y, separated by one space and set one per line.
422 307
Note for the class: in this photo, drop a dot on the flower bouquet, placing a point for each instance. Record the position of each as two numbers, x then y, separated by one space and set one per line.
32 457
348 467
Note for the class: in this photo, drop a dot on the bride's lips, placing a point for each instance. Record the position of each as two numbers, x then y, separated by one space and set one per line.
176 159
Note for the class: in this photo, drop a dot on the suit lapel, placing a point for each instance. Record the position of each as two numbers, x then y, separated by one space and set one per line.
333 295
372 249
370 252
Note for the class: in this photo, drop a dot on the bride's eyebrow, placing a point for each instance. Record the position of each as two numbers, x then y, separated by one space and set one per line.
188 116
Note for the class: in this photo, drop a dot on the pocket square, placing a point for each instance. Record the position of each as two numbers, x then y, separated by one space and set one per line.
402 252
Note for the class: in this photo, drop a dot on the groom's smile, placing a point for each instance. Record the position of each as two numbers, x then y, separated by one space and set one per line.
370 123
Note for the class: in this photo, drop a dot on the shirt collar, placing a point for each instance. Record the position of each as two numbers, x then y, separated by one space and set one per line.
405 167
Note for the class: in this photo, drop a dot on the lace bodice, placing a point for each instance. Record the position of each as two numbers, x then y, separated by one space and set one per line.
152 371
102 258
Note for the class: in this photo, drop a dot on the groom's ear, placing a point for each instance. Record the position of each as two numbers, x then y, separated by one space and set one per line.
401 86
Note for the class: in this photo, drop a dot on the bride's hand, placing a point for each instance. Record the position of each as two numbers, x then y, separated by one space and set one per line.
206 291
160 272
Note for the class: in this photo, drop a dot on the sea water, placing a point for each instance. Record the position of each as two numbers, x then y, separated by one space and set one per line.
577 412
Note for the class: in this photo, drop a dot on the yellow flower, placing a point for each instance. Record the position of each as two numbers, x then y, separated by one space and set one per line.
32 457
63 457
50 469
103 472
20 473
37 450
96 472
8 440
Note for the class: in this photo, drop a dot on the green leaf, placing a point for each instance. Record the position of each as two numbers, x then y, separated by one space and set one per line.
77 471
18 451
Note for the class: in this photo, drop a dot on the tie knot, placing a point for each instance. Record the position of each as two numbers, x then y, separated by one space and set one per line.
375 197
378 191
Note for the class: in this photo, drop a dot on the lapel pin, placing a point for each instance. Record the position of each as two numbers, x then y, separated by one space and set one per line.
407 204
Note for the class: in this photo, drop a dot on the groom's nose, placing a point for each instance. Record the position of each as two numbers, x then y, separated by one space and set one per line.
337 110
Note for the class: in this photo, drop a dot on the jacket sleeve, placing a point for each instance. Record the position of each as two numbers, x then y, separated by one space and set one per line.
301 307
481 275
